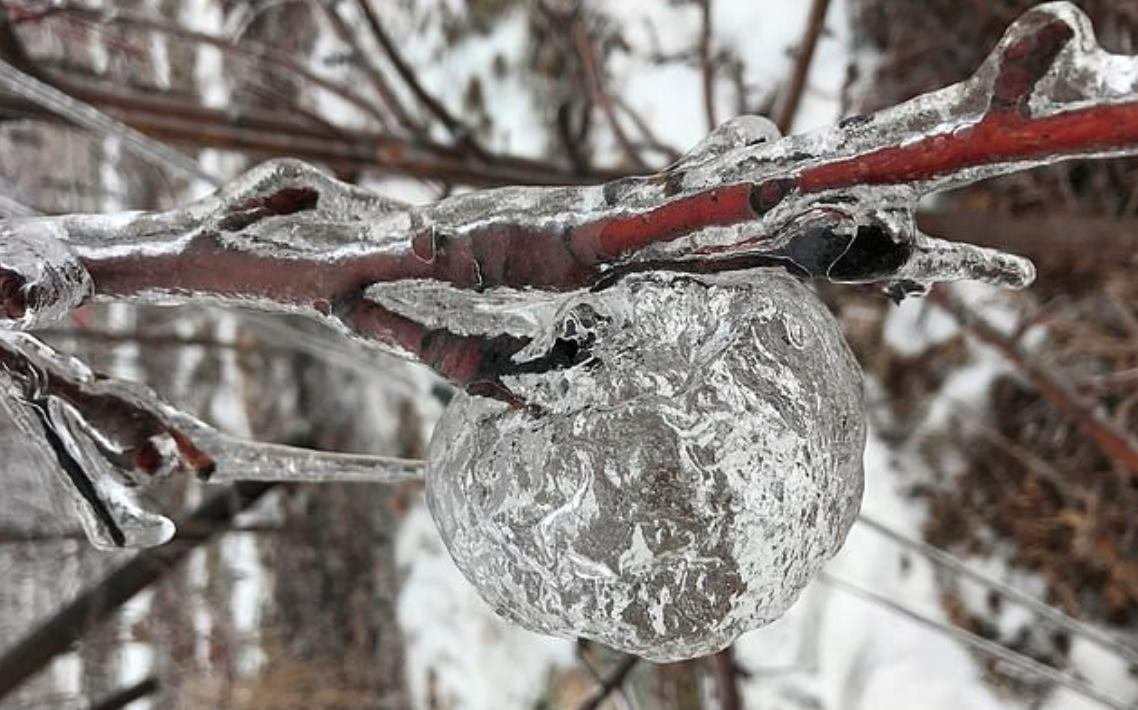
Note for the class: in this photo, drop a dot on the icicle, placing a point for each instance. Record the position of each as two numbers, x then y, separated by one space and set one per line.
105 437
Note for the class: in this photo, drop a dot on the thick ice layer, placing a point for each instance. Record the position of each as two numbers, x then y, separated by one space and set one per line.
675 490
41 280
104 437
91 463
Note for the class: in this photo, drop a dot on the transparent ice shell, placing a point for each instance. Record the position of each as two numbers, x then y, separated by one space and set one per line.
675 490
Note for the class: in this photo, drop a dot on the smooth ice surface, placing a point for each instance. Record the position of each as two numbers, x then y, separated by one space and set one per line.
678 488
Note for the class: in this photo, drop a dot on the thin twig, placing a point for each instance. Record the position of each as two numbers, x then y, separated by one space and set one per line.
646 133
10 207
82 114
590 62
459 130
707 67
373 73
190 532
611 682
1019 661
246 49
1114 443
803 59
1055 616
159 340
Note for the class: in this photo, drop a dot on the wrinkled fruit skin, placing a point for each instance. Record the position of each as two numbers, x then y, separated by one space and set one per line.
677 490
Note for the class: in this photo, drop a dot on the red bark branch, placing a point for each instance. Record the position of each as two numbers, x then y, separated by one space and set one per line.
738 201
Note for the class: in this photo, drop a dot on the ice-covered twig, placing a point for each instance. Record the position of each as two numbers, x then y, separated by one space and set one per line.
835 204
108 436
980 644
939 557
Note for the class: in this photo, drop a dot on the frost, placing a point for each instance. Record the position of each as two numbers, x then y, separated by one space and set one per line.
678 488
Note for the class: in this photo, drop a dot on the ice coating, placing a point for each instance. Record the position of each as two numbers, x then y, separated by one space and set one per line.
20 83
676 489
835 204
105 437
41 279
91 462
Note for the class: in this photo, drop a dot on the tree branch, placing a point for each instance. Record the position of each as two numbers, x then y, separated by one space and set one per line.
143 688
611 682
445 283
736 201
1114 443
804 57
707 66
